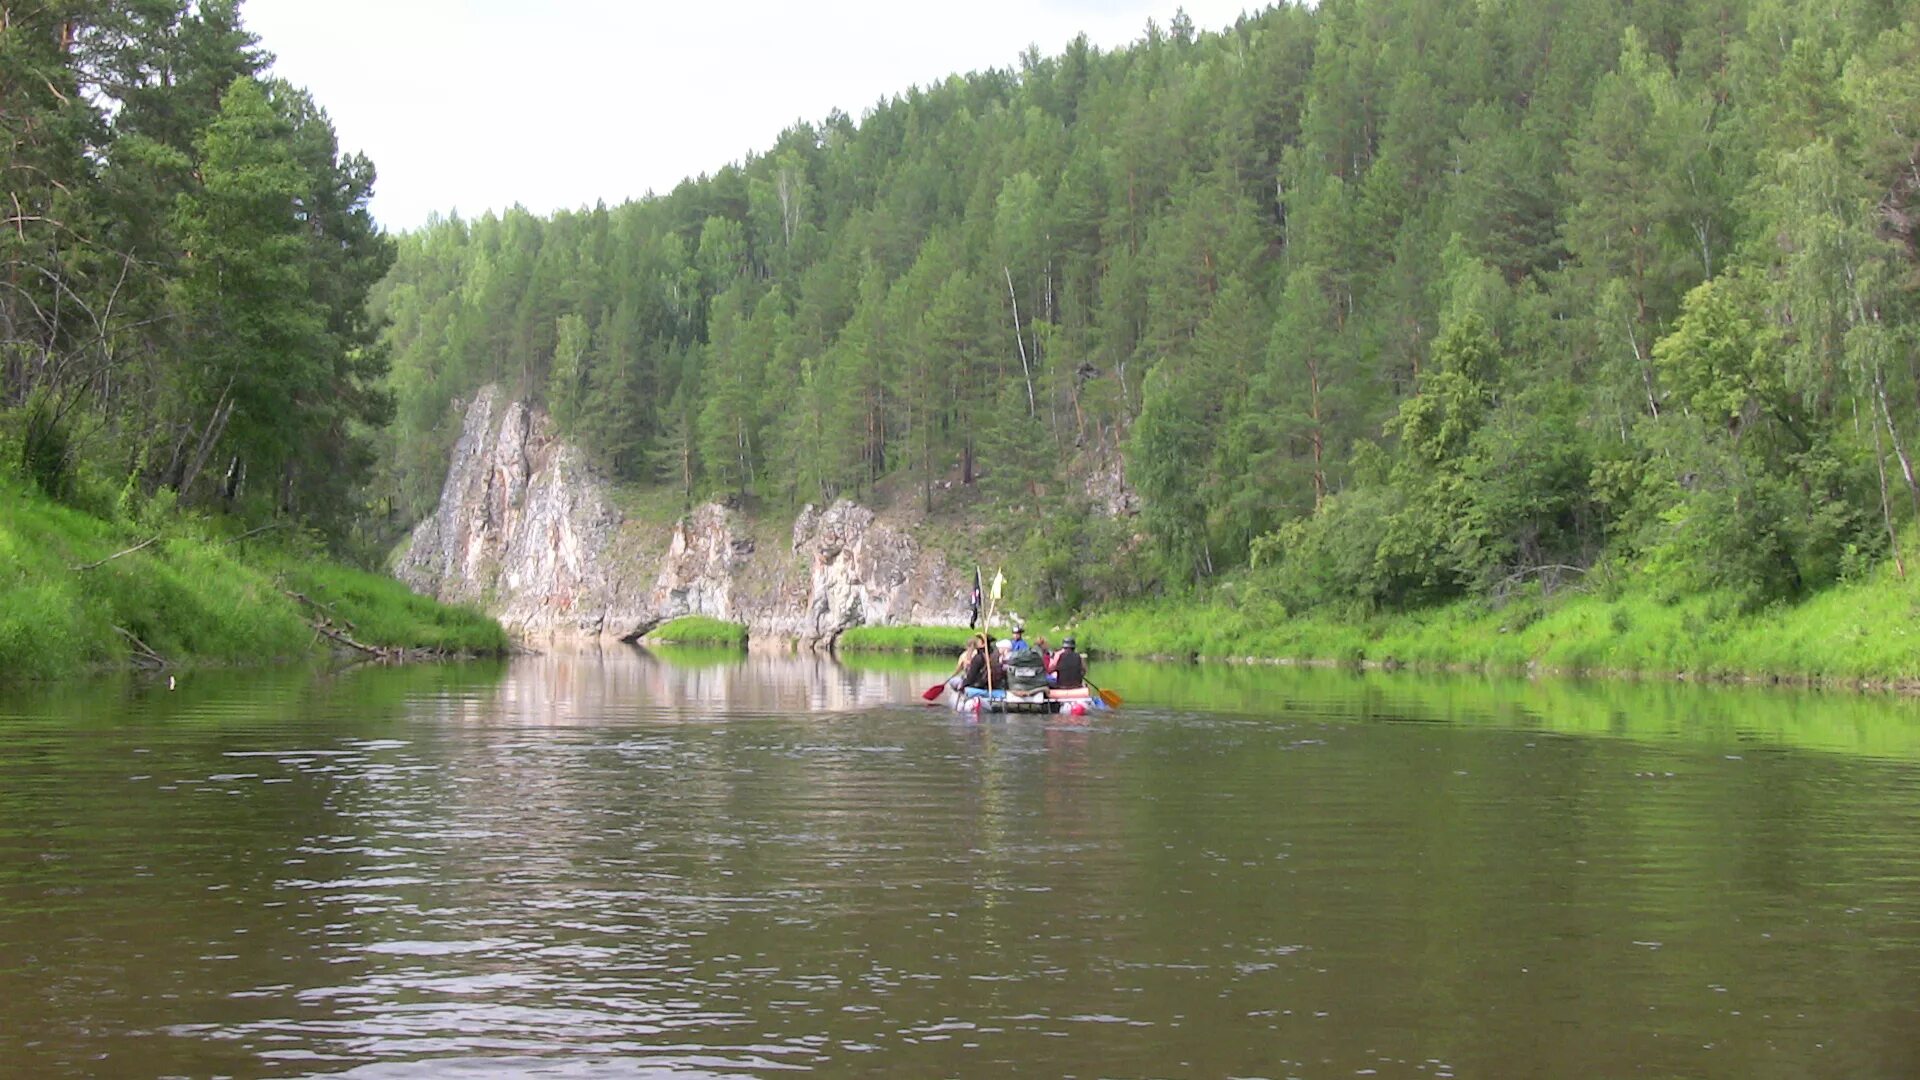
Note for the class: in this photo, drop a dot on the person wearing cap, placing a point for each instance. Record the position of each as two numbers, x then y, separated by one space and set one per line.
1019 642
1068 668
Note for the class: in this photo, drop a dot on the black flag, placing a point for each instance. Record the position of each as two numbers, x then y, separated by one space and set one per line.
973 619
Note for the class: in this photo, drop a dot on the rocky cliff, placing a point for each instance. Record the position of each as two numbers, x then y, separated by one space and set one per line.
528 531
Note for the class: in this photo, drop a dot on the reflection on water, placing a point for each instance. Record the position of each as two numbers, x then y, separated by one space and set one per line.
624 683
619 863
1878 724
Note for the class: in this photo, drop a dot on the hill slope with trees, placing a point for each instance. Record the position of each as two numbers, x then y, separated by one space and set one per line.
187 359
1385 302
184 266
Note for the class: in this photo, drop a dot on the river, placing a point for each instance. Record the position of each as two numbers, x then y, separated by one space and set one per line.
615 864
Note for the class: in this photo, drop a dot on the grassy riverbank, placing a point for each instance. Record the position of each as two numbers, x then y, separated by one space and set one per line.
943 640
79 592
699 630
1862 632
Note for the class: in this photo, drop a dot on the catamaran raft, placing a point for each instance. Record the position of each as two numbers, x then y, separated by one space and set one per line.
1078 701
1025 684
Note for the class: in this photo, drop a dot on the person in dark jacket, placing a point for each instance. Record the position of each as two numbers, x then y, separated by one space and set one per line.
975 646
983 664
1069 669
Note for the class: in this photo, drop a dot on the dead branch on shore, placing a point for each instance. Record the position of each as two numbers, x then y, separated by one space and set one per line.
117 554
141 650
323 629
333 626
268 527
1549 576
323 624
326 610
1551 568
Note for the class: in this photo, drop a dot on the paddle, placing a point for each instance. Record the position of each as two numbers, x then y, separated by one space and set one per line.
1112 699
932 693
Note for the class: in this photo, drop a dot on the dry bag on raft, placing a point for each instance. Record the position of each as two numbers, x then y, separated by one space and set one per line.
1026 671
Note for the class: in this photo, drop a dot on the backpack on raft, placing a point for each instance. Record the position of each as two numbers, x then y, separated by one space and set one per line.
1026 671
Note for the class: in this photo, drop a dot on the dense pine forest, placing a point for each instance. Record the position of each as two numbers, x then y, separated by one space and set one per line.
1391 301
190 378
184 266
1380 303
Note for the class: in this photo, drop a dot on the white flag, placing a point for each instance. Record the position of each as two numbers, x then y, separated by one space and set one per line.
999 580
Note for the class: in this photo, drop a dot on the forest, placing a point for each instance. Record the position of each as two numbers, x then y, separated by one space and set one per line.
190 377
1380 303
185 257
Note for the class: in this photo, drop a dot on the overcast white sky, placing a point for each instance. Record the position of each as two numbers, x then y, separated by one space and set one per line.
480 104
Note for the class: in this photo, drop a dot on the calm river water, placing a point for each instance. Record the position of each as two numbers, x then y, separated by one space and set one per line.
628 864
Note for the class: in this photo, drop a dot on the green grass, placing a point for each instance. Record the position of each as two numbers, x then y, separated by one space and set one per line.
699 630
648 504
386 612
1868 632
191 597
945 640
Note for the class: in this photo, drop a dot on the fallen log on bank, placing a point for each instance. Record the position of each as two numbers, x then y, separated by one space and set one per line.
142 652
323 624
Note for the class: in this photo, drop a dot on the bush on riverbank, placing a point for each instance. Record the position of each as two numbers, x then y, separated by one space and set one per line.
1863 631
699 630
78 591
943 640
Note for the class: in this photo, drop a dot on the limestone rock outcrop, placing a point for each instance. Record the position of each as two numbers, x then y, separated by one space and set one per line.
522 529
528 531
861 572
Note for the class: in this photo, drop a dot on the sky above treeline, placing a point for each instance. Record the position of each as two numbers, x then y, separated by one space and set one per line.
476 105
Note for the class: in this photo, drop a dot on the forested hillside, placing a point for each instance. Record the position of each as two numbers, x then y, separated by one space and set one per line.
189 375
184 266
1391 300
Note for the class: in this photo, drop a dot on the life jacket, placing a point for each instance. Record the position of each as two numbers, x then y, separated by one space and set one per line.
1069 670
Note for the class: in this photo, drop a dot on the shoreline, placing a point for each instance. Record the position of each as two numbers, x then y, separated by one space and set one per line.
1535 671
85 594
1860 636
335 658
1546 671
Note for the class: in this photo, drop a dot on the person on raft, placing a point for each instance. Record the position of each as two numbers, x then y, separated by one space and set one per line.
975 645
981 663
1019 643
1069 670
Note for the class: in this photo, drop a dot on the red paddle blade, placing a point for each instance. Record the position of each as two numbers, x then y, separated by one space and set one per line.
933 692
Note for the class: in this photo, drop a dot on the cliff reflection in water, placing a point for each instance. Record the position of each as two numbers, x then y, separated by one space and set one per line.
624 681
632 863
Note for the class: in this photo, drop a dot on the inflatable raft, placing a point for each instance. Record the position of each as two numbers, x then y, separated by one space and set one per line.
1075 702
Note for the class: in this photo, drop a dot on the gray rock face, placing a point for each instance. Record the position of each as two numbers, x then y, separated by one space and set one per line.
698 573
1107 487
527 530
863 573
522 529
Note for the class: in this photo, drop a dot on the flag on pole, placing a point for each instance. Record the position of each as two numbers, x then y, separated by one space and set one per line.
999 582
973 619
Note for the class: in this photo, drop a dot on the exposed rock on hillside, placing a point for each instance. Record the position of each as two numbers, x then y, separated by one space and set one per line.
528 531
523 527
864 573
